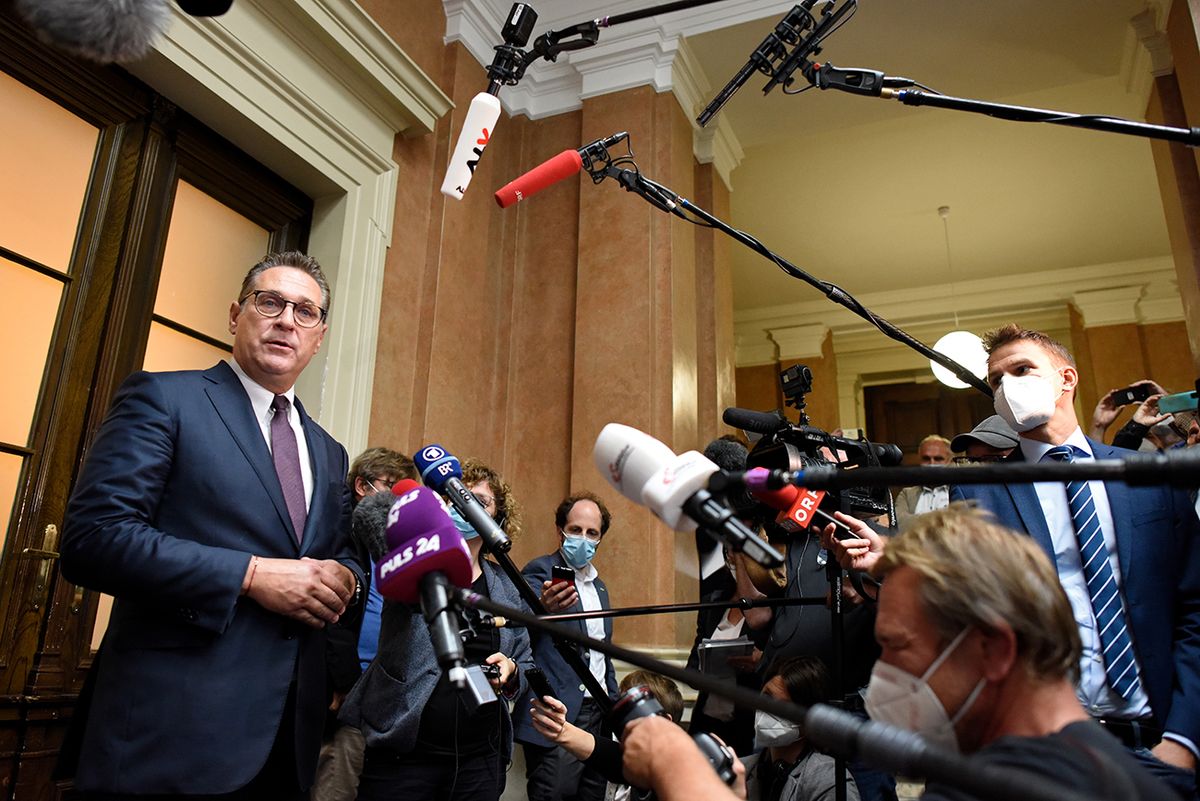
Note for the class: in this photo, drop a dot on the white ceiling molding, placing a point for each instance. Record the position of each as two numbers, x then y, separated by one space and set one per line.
1115 306
1017 295
716 144
799 342
1151 43
639 53
753 350
1160 303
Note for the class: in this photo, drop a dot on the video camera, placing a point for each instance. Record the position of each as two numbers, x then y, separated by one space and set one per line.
787 446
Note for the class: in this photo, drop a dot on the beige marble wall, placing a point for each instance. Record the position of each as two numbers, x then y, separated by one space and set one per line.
515 335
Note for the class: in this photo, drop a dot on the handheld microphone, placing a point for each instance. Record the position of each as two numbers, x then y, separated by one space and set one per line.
673 488
442 473
797 505
427 558
507 67
480 121
559 168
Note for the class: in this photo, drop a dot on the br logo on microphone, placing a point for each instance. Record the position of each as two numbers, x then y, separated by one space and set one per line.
432 453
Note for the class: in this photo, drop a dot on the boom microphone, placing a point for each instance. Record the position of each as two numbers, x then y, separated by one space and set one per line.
673 487
559 168
442 472
427 558
99 30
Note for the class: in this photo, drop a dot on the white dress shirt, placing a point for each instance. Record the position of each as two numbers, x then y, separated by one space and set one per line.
1097 697
261 400
589 600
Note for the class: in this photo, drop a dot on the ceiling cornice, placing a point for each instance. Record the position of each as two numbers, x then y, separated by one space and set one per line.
648 52
1152 281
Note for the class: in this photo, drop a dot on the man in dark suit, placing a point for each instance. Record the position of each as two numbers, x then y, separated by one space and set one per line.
216 512
551 772
1141 642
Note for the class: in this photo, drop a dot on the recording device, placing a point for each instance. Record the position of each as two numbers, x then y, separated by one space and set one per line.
560 574
484 112
477 690
649 473
490 671
427 558
639 702
539 683
442 472
1134 394
786 446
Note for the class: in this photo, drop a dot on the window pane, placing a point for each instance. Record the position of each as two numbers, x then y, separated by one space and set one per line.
28 309
168 349
209 249
10 475
46 154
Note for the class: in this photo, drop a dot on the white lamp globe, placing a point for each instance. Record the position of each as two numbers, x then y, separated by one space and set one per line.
966 349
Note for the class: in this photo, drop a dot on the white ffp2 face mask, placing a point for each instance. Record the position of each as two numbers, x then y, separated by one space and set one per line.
897 697
773 732
1025 401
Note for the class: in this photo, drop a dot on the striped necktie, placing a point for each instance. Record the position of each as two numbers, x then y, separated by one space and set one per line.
1108 607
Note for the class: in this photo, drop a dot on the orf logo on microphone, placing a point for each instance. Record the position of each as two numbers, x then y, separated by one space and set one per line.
432 453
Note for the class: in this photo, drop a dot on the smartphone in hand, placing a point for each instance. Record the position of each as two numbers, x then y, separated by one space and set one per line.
560 573
539 683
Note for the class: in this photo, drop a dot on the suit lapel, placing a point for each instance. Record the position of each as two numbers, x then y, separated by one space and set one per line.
228 397
602 591
1029 509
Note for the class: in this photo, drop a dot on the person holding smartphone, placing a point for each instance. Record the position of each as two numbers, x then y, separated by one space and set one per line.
568 581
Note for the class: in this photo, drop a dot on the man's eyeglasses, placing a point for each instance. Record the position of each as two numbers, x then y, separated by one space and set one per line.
272 304
374 485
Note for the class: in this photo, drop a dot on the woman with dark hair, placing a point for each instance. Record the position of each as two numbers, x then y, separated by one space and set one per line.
423 742
785 767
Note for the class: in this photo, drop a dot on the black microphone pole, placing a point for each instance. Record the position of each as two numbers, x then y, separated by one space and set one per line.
1176 469
888 748
666 609
670 201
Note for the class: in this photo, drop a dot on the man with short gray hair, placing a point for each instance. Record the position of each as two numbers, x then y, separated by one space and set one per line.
216 512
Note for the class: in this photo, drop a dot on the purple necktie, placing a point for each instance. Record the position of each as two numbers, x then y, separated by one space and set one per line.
286 456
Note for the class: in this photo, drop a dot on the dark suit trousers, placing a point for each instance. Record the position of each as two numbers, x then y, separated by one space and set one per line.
276 781
554 775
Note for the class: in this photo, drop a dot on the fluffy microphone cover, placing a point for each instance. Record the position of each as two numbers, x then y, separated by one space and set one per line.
99 30
370 523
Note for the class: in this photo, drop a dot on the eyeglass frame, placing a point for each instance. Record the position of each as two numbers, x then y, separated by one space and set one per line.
294 303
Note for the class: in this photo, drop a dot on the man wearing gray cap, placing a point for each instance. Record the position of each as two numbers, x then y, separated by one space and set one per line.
990 441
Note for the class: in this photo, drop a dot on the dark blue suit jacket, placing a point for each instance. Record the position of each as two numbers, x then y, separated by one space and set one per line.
1158 547
177 492
567 686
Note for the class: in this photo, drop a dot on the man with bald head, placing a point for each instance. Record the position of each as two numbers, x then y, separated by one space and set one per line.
216 512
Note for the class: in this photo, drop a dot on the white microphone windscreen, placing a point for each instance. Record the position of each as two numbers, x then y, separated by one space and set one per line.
99 30
669 488
480 122
628 457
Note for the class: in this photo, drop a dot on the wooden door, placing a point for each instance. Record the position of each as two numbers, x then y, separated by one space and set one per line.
97 172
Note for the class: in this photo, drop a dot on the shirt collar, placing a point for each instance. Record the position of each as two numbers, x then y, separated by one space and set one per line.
261 398
1033 450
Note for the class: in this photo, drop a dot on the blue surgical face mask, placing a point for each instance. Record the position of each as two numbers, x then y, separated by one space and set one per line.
578 551
466 529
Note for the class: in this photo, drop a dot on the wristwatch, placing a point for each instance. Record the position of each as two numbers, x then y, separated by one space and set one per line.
358 593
